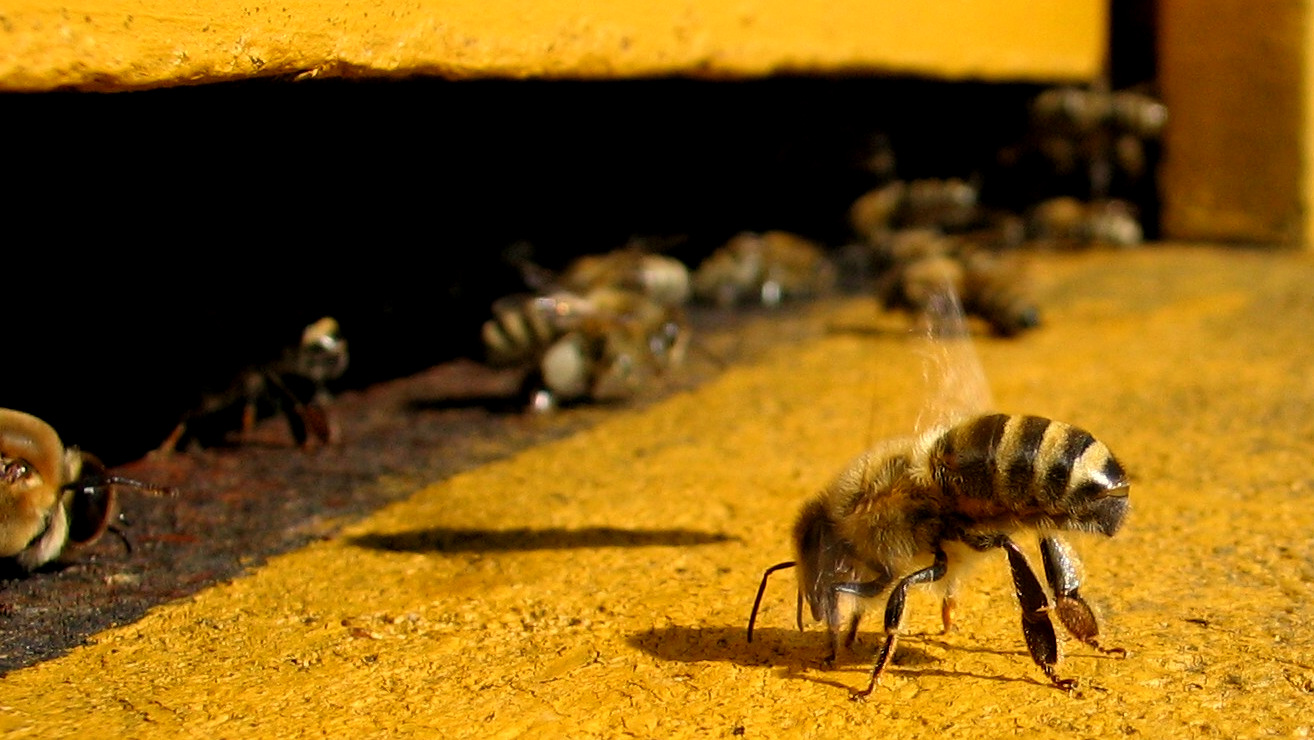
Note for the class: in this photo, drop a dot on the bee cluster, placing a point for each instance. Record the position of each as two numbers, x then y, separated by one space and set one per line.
608 323
1080 178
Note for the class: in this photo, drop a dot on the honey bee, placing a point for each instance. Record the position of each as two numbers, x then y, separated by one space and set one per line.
875 213
1068 222
948 205
296 384
919 510
768 268
663 279
600 346
921 265
51 496
1103 142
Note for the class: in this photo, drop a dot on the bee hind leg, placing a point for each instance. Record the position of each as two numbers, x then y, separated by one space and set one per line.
894 612
1037 627
1073 611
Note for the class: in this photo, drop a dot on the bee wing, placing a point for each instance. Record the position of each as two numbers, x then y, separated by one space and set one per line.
956 386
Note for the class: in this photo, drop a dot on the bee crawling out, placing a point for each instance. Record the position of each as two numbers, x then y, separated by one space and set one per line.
917 510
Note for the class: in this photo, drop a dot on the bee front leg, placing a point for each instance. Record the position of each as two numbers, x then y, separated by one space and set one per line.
1036 625
1061 570
894 614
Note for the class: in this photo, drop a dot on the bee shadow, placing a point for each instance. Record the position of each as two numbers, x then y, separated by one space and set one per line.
446 539
801 654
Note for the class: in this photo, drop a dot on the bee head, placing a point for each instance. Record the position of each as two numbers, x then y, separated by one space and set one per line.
33 464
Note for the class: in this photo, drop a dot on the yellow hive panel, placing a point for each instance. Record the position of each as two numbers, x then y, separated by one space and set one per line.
113 44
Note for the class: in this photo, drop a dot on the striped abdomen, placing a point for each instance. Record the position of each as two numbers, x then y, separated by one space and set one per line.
522 327
1029 467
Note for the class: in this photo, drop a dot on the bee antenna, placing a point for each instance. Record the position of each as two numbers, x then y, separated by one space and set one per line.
105 481
761 589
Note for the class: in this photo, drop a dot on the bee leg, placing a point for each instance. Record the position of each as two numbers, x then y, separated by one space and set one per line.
894 615
947 612
1073 611
851 635
171 444
254 386
864 590
317 422
761 589
1036 625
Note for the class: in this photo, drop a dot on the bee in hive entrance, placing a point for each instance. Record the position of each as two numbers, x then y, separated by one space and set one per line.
51 496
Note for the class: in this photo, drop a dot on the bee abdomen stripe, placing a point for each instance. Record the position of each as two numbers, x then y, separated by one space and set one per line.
1059 450
975 450
1019 450
1096 471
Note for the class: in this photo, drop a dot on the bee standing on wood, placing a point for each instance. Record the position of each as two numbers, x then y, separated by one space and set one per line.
920 509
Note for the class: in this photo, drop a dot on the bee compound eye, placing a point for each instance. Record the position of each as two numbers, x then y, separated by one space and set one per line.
90 511
15 470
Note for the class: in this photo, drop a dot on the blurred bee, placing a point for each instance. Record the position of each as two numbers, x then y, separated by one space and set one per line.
1077 111
601 346
949 205
663 279
766 268
51 496
920 266
1106 137
919 510
1066 222
295 384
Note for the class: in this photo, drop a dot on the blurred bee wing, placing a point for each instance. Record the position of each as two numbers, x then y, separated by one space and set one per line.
956 386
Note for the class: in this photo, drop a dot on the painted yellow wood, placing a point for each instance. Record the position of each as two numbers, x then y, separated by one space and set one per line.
124 44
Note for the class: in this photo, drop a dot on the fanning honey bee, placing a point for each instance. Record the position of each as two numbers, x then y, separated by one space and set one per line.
599 346
919 510
51 496
769 268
